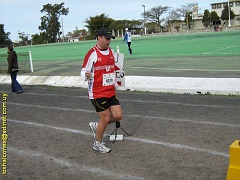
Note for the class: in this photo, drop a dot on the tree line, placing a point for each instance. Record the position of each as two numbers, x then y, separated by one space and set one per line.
155 19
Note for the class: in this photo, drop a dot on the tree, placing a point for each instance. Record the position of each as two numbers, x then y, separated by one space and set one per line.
81 33
97 22
120 24
214 18
50 22
39 38
133 25
154 15
4 40
169 20
206 18
188 19
225 13
186 12
24 38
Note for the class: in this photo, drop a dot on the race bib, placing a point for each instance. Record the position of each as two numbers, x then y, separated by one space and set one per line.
109 79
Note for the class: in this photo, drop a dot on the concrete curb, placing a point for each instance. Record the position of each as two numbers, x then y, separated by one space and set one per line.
178 85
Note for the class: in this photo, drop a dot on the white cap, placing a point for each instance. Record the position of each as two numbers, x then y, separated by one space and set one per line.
126 29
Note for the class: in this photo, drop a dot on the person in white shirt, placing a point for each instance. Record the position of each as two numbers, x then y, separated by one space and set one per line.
128 40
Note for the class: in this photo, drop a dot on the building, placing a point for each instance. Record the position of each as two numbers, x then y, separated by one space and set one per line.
233 4
235 7
197 17
76 39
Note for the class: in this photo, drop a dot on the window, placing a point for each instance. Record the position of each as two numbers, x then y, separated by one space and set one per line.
237 3
230 4
216 23
219 6
184 26
214 6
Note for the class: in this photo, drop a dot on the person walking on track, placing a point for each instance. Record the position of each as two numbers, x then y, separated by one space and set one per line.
13 69
99 70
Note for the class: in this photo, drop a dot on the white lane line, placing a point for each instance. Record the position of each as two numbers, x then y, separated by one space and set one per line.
134 116
51 127
67 163
57 108
177 146
186 120
171 145
56 95
140 101
182 104
220 49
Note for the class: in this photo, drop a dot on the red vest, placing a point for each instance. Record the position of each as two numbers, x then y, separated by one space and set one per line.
103 76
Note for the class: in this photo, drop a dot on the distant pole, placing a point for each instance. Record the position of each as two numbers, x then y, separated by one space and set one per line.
229 14
30 60
62 30
144 18
118 51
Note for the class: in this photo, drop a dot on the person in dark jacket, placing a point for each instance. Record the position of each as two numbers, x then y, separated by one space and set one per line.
13 70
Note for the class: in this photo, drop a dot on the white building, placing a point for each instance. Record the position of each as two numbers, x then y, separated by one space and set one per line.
217 7
233 4
73 39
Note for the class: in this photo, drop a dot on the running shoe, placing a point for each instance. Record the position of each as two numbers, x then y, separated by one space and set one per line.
98 146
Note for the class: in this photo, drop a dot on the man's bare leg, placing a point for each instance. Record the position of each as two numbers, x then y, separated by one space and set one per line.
111 115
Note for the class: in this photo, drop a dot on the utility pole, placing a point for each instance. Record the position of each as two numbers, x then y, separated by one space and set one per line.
229 14
144 19
62 30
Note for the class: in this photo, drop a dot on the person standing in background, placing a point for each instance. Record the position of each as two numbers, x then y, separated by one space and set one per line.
128 40
13 70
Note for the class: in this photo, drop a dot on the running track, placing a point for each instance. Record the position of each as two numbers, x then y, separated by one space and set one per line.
174 136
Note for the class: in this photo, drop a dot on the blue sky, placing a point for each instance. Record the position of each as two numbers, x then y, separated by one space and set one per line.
24 15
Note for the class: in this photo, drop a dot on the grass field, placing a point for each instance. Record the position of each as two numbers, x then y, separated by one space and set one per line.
213 52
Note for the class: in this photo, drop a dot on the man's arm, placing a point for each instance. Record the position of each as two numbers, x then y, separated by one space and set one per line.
87 65
125 37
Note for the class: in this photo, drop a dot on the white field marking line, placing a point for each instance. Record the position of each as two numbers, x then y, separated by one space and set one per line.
147 141
229 53
135 116
171 69
157 56
66 163
220 49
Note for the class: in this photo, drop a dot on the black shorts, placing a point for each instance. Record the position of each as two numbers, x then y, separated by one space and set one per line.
102 104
